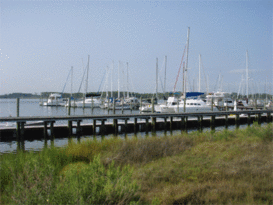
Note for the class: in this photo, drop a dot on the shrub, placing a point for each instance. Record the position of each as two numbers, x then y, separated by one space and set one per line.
94 184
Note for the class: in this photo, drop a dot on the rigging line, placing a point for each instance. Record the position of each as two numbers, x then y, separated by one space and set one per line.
204 76
101 81
82 79
179 69
66 80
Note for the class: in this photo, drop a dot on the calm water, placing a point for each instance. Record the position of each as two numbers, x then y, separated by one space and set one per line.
31 107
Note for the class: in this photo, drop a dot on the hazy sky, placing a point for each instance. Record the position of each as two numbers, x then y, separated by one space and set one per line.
41 40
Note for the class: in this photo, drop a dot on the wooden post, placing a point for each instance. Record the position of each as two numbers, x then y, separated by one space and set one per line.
78 129
171 124
45 129
185 123
147 125
237 121
122 105
259 119
248 119
102 127
114 106
115 122
70 131
94 127
211 103
165 123
92 104
153 105
226 121
108 108
182 124
212 123
153 124
268 117
69 107
18 131
18 104
135 125
200 119
52 133
126 126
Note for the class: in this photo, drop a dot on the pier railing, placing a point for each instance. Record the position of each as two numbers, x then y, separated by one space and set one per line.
150 121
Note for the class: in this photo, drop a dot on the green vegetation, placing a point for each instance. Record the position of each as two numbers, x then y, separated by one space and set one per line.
228 167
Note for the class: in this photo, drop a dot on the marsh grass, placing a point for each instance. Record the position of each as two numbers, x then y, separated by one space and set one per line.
228 167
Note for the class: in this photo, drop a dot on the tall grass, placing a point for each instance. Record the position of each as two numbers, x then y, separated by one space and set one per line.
198 168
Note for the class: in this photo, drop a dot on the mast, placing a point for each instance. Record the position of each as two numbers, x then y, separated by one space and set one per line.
165 75
87 75
156 80
112 79
118 80
199 88
247 74
187 59
127 81
71 81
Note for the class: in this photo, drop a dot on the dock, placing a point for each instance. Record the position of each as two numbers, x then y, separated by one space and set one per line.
30 128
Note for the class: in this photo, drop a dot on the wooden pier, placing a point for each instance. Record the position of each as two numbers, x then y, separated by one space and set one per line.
124 123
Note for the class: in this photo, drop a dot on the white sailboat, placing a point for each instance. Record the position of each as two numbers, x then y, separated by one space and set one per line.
184 104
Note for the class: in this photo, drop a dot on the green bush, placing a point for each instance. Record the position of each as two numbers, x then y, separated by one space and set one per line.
94 184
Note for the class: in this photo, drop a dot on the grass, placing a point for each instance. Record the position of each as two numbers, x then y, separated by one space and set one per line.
228 167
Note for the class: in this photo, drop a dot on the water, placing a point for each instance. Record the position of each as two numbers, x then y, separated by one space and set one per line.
31 107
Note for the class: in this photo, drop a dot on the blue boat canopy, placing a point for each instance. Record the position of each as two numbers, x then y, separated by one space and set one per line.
193 94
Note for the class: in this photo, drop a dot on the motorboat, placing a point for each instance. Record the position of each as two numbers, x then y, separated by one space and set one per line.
175 105
91 100
55 99
219 99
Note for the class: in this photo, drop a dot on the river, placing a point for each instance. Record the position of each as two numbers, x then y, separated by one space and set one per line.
31 107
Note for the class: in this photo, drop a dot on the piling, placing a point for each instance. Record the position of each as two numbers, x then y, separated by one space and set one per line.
115 124
212 123
135 126
171 123
94 127
226 121
248 120
153 105
268 119
237 121
200 119
153 124
114 106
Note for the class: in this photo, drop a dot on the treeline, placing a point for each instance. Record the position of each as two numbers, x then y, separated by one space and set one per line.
20 95
122 93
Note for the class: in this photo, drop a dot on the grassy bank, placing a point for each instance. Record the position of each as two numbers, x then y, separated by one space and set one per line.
228 167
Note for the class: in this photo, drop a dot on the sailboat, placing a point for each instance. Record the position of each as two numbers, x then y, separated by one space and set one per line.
189 101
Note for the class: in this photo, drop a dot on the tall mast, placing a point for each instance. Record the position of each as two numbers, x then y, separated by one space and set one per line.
118 79
87 75
199 88
156 77
165 75
187 59
127 81
247 74
71 81
112 79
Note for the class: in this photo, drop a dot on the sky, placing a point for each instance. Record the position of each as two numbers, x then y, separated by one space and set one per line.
41 40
